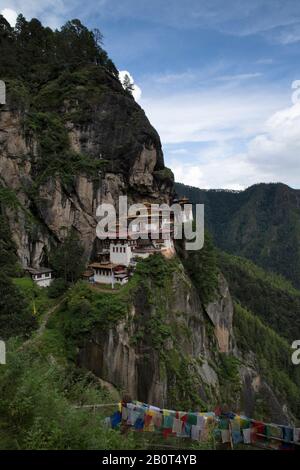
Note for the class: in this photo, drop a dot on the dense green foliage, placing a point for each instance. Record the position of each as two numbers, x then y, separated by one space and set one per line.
269 296
8 198
86 308
38 393
202 268
36 407
8 255
230 380
37 298
57 288
156 269
261 223
67 259
272 355
166 174
15 315
36 54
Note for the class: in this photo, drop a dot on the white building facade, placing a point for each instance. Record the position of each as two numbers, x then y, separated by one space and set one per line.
120 253
41 276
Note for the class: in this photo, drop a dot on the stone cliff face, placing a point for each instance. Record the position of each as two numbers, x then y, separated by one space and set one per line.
220 313
115 130
184 369
149 373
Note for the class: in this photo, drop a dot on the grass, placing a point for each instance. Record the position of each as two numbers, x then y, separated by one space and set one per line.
37 297
105 287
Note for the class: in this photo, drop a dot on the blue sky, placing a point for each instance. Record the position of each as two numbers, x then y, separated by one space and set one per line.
215 78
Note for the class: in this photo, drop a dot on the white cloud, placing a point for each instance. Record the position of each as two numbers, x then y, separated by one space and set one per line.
276 152
286 34
226 173
269 156
217 167
238 77
211 114
10 15
137 92
52 13
168 78
229 136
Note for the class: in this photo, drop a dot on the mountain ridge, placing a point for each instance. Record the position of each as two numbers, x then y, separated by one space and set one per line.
261 223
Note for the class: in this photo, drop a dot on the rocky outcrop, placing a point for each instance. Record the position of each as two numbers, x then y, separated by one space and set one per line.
140 368
258 397
116 130
220 311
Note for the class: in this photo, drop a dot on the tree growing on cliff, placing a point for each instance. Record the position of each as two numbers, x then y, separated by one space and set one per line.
15 317
8 257
202 268
127 84
37 54
67 259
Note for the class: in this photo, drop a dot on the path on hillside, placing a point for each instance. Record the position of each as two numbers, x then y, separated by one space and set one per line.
38 333
46 318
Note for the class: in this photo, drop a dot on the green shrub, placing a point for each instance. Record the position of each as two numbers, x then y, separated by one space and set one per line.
36 407
15 317
57 288
202 268
272 353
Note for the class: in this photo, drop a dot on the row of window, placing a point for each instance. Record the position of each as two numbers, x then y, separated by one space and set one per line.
117 249
42 276
103 272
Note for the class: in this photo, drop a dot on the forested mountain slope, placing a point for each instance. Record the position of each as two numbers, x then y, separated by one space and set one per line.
261 223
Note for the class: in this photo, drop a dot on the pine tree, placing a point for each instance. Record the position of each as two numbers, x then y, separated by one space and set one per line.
67 260
127 84
202 268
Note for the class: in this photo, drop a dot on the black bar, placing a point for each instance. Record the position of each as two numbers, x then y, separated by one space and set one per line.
140 458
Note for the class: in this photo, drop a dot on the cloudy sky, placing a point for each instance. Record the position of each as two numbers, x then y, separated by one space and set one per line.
214 77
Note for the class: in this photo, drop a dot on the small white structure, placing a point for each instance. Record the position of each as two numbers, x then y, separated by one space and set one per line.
121 277
41 276
103 272
120 252
109 273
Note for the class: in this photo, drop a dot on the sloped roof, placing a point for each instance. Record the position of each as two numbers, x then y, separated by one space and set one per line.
35 271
